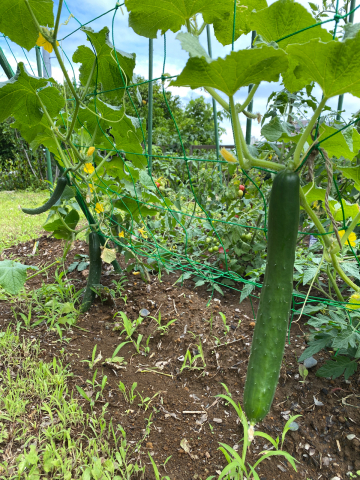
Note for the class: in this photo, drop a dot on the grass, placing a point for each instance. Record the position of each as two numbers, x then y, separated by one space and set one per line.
15 226
43 428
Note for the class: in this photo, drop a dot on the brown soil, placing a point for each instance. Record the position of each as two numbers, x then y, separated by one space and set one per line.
320 445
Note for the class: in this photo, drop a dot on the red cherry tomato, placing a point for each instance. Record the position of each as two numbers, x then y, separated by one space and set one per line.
236 216
157 184
241 187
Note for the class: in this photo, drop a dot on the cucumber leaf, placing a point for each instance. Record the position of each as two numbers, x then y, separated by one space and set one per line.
283 18
13 275
107 71
341 144
352 173
19 97
236 70
17 24
334 66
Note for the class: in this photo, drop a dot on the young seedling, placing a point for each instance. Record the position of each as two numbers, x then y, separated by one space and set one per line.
129 395
163 329
226 327
303 373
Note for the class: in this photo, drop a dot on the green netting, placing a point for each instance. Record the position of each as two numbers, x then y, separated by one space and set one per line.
139 233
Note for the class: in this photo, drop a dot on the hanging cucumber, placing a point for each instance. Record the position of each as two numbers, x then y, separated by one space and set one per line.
268 343
94 271
59 189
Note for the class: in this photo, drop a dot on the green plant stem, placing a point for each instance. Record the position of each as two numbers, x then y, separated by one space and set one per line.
43 270
333 283
326 242
247 114
249 98
89 80
64 71
73 120
348 231
57 21
305 135
218 98
76 231
201 29
37 25
237 132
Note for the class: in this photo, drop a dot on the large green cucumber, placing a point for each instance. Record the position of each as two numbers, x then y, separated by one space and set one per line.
59 189
268 343
94 271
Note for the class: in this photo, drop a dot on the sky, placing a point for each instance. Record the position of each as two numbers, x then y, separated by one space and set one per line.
127 40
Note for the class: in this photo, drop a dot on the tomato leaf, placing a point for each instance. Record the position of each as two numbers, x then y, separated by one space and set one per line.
337 366
17 24
236 70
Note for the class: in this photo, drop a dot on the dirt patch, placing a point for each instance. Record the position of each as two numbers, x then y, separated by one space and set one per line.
183 404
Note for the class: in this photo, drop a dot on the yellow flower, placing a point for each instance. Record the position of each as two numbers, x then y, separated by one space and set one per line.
351 239
121 235
99 208
91 186
89 168
90 151
229 157
42 42
142 231
136 273
270 156
354 302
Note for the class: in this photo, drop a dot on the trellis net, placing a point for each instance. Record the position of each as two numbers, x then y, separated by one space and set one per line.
160 208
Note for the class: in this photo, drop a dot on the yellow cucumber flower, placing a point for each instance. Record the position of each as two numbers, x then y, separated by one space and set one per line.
228 156
351 239
89 168
142 231
121 235
90 151
42 42
354 302
99 208
91 186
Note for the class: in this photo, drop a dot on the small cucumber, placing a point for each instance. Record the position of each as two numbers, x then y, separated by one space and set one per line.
94 271
268 343
59 189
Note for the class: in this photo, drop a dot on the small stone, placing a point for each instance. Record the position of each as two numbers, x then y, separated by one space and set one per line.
280 467
342 419
217 420
335 478
294 426
149 445
252 324
326 461
325 391
144 313
310 362
351 437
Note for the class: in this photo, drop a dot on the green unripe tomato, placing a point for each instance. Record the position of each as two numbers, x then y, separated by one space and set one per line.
240 193
215 249
248 236
217 243
210 250
208 240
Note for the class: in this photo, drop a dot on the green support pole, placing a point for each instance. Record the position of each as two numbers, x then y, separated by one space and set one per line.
47 153
6 65
250 107
208 33
341 97
38 61
150 104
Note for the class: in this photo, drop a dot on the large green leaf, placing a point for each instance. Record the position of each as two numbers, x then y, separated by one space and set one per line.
224 26
57 227
343 144
353 173
135 208
334 66
350 210
13 275
273 130
148 17
40 134
190 43
236 70
108 72
17 24
19 98
313 193
283 18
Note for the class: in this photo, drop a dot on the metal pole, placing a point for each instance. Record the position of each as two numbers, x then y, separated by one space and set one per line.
341 97
38 61
208 33
250 107
6 65
45 74
150 104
